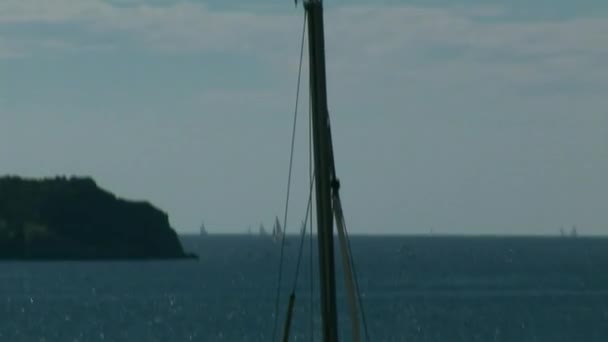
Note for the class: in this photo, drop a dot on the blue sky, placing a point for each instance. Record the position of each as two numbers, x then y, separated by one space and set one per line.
480 117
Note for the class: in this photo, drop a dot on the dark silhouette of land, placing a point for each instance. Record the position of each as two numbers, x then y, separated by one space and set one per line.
73 219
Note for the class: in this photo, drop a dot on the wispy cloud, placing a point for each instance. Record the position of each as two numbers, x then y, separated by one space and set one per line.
182 26
461 45
32 11
374 30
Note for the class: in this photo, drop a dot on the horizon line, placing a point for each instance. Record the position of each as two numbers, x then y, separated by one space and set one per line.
499 235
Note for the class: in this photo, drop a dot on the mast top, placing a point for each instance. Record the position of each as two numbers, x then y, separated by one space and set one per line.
307 2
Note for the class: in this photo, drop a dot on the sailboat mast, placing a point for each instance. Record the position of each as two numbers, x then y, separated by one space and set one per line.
323 160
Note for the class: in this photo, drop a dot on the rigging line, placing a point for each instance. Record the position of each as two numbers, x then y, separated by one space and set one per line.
312 309
293 135
356 278
292 295
348 246
303 236
351 292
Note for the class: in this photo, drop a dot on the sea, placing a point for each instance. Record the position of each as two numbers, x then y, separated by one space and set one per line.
413 288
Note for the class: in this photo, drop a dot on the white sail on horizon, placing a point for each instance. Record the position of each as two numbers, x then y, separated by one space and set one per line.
277 232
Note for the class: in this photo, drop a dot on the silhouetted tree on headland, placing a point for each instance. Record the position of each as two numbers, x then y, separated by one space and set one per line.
72 218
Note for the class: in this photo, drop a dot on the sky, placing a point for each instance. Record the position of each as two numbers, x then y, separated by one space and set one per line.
481 117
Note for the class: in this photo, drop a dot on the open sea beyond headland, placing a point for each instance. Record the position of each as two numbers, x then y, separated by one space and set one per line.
414 289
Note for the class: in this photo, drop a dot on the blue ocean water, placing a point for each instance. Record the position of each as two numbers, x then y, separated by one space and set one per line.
414 289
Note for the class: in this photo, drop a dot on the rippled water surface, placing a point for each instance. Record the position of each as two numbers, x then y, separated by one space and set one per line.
414 289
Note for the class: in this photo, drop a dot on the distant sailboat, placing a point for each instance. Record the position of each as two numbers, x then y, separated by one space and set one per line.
203 230
573 232
277 232
262 230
